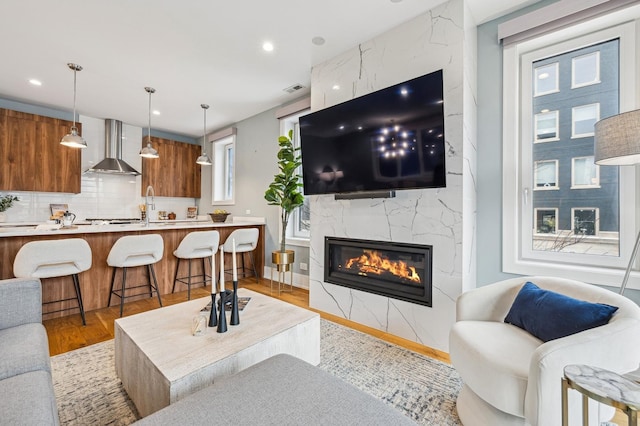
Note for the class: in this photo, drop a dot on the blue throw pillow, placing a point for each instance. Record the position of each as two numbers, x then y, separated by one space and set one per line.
549 315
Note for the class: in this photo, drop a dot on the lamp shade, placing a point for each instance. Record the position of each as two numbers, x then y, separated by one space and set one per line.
617 140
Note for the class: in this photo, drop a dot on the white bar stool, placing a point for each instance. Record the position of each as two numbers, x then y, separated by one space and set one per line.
196 245
132 251
55 258
246 242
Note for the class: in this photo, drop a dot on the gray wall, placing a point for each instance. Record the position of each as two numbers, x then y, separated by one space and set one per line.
490 153
256 163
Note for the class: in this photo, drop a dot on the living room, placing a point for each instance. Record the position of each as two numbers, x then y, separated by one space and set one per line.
466 222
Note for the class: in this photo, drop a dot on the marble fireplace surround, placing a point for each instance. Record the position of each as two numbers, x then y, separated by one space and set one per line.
445 218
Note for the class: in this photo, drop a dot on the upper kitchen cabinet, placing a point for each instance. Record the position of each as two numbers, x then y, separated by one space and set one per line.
175 173
31 155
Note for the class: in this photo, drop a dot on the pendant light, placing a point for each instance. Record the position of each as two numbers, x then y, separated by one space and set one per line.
148 151
73 139
204 158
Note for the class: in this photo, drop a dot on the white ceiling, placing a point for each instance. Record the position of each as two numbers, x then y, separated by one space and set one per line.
190 51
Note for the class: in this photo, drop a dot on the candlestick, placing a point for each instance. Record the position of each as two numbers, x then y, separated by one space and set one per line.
235 315
213 315
235 267
222 321
221 269
213 273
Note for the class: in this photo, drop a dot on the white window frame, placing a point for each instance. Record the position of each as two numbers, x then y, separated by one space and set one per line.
575 135
294 237
223 176
535 177
557 116
573 70
574 185
596 224
557 89
517 256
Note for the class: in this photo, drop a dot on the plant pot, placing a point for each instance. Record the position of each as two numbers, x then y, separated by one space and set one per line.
283 260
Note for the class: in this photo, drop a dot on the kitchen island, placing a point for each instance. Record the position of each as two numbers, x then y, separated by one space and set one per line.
95 282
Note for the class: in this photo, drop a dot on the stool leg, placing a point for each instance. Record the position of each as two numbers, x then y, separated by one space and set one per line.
253 265
175 276
204 273
124 278
153 274
76 284
189 281
113 278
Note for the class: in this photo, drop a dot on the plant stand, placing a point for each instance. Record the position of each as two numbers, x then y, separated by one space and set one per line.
283 263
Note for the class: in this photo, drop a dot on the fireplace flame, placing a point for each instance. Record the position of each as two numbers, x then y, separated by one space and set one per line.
371 262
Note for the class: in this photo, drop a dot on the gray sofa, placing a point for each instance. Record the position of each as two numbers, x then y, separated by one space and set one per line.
25 369
281 390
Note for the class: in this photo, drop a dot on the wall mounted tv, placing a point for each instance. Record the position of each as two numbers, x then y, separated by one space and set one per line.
386 140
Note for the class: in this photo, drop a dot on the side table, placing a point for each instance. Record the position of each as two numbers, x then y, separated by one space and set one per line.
603 386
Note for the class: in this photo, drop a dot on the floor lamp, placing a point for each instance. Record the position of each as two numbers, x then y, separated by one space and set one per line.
617 143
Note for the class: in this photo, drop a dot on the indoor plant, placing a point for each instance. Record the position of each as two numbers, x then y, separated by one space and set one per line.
284 192
6 201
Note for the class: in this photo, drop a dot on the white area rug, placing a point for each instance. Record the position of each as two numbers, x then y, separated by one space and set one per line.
88 392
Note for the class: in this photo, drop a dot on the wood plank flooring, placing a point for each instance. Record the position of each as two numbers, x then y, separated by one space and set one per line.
67 333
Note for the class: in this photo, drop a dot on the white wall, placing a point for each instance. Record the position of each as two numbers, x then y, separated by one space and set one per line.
443 38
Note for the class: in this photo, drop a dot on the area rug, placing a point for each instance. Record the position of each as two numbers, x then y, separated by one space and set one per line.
88 392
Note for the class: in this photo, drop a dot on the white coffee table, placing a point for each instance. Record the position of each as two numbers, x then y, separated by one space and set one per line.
159 362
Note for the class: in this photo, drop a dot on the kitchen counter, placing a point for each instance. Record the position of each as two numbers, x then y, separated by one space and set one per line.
95 282
17 229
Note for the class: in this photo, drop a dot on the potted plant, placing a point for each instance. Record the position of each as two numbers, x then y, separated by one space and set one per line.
284 192
6 201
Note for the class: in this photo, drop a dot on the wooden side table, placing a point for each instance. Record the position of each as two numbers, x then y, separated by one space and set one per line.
603 386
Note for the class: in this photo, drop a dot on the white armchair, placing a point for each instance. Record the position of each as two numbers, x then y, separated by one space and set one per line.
513 378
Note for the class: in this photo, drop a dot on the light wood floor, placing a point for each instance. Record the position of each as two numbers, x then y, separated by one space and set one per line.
67 333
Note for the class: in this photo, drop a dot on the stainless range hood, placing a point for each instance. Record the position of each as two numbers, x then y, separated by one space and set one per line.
113 163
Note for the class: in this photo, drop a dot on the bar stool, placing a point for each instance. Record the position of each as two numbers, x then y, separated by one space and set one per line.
55 258
196 245
132 251
246 242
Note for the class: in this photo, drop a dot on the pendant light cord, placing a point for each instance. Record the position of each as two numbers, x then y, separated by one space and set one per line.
149 133
204 133
75 72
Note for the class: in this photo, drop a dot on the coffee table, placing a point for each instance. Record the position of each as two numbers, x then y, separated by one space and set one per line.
160 362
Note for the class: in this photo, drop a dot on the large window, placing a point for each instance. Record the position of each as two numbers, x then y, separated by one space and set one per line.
223 176
557 86
299 223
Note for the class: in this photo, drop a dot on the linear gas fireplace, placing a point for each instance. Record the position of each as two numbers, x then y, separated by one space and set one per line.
397 270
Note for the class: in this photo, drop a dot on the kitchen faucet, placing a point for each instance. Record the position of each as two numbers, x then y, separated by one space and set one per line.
149 206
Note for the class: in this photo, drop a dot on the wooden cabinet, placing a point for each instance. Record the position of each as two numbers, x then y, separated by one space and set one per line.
31 156
175 173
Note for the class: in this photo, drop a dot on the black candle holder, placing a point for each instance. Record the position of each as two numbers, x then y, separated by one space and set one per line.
222 321
235 316
213 316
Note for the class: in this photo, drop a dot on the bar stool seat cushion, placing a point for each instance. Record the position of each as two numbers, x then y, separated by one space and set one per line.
246 240
198 244
20 355
136 250
54 258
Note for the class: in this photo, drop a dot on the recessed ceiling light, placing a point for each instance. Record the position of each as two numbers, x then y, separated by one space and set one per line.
336 87
318 41
156 112
35 82
267 46
396 1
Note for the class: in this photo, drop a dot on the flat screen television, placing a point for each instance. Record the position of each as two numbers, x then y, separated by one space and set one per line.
386 140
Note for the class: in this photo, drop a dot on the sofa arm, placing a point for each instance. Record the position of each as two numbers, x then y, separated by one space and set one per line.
611 346
20 302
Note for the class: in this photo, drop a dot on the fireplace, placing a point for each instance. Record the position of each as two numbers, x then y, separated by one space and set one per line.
398 270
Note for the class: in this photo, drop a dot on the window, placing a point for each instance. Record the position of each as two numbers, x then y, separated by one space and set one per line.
300 220
546 126
584 173
546 174
546 79
582 120
585 70
584 230
223 175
